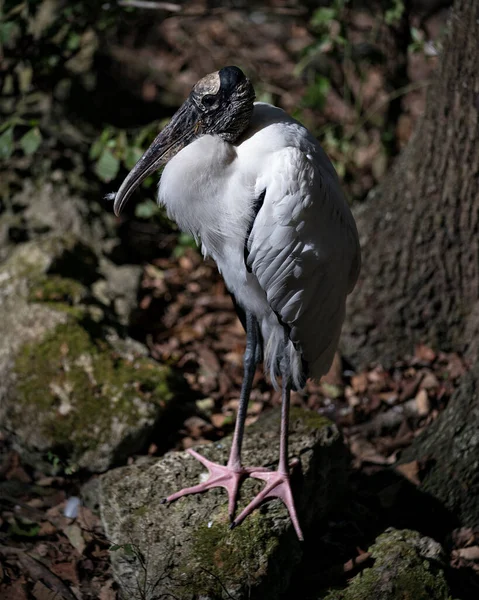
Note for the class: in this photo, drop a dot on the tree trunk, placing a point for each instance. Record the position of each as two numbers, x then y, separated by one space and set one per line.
419 229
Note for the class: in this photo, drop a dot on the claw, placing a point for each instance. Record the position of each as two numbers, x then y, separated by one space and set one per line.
277 486
227 477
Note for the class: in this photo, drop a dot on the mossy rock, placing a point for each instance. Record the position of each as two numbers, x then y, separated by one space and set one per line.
407 566
186 549
74 393
79 399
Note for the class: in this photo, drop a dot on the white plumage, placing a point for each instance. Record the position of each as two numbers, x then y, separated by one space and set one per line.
257 190
302 252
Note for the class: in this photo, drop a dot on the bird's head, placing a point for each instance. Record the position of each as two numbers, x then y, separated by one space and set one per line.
219 104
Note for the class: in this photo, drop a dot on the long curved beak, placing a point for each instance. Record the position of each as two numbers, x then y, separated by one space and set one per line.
180 131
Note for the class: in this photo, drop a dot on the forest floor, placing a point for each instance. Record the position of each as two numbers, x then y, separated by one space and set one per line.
379 412
185 316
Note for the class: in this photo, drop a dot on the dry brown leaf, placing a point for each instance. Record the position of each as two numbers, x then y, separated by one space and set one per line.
218 420
364 451
429 382
455 366
66 571
424 353
75 537
422 403
410 471
335 374
410 387
464 536
359 383
107 592
41 592
471 553
14 591
46 529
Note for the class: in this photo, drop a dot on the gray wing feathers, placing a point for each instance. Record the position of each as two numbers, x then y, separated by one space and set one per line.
302 249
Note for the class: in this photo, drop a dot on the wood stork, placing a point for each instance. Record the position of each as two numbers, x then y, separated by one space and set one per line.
256 188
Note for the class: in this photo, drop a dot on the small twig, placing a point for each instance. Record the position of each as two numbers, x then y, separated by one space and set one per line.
286 11
402 91
169 6
218 580
356 562
38 571
35 513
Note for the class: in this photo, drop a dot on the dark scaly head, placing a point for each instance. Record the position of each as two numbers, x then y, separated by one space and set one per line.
219 104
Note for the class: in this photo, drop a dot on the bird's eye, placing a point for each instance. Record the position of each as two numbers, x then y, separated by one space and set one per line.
208 100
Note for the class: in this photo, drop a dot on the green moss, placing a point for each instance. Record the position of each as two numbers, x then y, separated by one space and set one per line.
400 572
309 418
56 289
141 511
79 389
223 559
77 312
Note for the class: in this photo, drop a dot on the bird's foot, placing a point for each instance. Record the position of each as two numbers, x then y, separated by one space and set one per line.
227 477
277 486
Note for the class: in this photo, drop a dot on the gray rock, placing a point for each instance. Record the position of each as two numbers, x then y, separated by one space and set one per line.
186 549
73 393
46 208
406 565
118 288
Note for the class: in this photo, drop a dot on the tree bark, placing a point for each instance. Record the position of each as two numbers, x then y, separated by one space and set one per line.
449 453
419 229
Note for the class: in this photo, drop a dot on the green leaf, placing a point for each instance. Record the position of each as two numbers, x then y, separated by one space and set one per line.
31 141
96 148
316 93
73 41
186 240
322 16
394 14
132 156
333 391
107 166
19 529
6 143
8 31
128 549
146 209
416 34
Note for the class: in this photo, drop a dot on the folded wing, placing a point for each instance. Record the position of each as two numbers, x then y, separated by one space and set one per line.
303 248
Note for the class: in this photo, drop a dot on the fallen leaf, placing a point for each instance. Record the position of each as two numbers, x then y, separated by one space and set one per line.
424 354
364 451
429 382
410 471
455 366
75 537
422 403
14 591
46 529
41 592
66 571
359 383
335 374
471 553
107 592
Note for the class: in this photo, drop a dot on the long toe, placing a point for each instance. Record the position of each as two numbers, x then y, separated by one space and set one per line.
229 478
277 486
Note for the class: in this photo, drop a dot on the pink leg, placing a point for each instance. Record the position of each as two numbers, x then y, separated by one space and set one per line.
231 476
277 482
